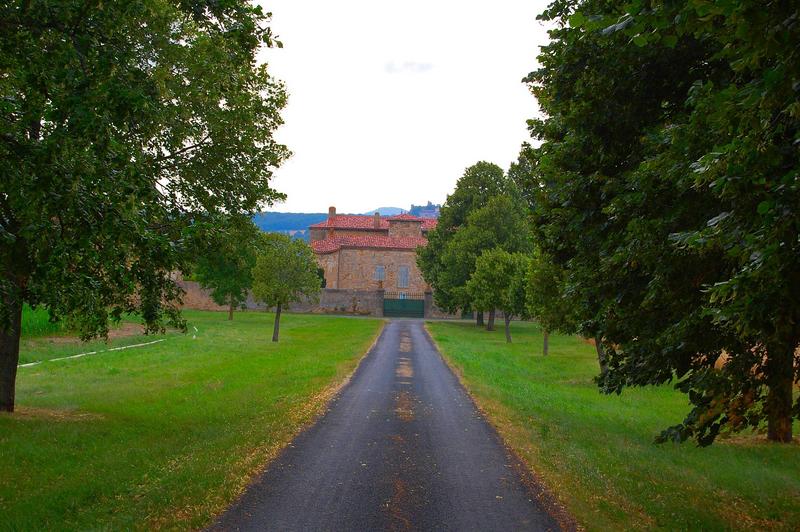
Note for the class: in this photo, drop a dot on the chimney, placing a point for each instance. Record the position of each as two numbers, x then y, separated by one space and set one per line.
331 212
377 218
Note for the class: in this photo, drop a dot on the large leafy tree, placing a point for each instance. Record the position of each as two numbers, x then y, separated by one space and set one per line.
500 224
475 187
498 282
122 126
226 260
285 271
663 189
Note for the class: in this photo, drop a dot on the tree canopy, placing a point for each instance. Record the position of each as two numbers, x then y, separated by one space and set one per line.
665 187
498 282
226 260
484 211
123 125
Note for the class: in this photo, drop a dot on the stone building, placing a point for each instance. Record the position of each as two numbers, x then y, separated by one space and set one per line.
371 252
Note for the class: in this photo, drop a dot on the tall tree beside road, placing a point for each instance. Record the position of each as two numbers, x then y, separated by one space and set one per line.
500 224
121 124
498 282
666 187
480 182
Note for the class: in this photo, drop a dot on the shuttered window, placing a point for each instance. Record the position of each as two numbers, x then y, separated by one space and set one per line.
402 277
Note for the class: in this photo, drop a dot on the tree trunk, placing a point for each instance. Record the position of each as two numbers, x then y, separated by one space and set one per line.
780 377
479 318
490 324
508 327
277 323
9 350
230 309
602 359
546 342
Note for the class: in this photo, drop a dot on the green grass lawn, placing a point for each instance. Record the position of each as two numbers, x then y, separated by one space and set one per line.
166 435
596 452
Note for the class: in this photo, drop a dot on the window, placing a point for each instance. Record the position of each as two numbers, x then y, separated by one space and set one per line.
402 277
380 273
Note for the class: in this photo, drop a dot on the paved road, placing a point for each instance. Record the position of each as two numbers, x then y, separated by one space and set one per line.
401 448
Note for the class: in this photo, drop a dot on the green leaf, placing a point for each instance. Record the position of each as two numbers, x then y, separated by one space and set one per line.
577 20
764 207
640 40
669 40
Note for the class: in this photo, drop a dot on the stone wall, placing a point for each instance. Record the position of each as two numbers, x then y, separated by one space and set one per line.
198 298
331 301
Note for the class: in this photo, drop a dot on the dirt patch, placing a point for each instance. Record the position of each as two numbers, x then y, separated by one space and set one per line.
52 414
125 330
404 406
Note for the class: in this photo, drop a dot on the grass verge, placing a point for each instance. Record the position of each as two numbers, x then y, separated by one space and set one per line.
167 435
596 452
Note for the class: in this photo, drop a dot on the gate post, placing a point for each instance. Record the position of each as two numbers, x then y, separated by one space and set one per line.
428 304
380 293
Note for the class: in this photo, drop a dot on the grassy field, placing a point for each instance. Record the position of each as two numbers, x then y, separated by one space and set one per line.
166 435
36 322
596 452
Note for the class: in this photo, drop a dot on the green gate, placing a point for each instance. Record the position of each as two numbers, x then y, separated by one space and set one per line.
403 305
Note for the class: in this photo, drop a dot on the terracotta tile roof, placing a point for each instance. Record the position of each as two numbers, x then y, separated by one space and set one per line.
354 221
351 221
330 245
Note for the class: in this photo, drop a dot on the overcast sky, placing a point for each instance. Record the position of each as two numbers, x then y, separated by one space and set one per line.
389 102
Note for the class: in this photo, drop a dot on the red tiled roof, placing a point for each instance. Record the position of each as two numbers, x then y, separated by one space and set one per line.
330 245
354 221
351 221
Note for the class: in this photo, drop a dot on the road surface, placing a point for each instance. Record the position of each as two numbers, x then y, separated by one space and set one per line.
401 448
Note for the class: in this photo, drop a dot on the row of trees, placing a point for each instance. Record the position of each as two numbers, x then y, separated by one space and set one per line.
664 196
239 260
481 256
662 199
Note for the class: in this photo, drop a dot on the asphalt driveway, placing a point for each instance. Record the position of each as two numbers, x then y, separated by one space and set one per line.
401 448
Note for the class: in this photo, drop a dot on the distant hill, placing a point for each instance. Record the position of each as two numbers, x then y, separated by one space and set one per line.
287 221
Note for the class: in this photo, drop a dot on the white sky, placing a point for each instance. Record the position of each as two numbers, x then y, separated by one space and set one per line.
389 102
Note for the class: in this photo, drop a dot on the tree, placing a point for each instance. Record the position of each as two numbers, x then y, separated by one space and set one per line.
225 266
498 283
477 185
121 125
545 298
285 271
664 188
501 224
